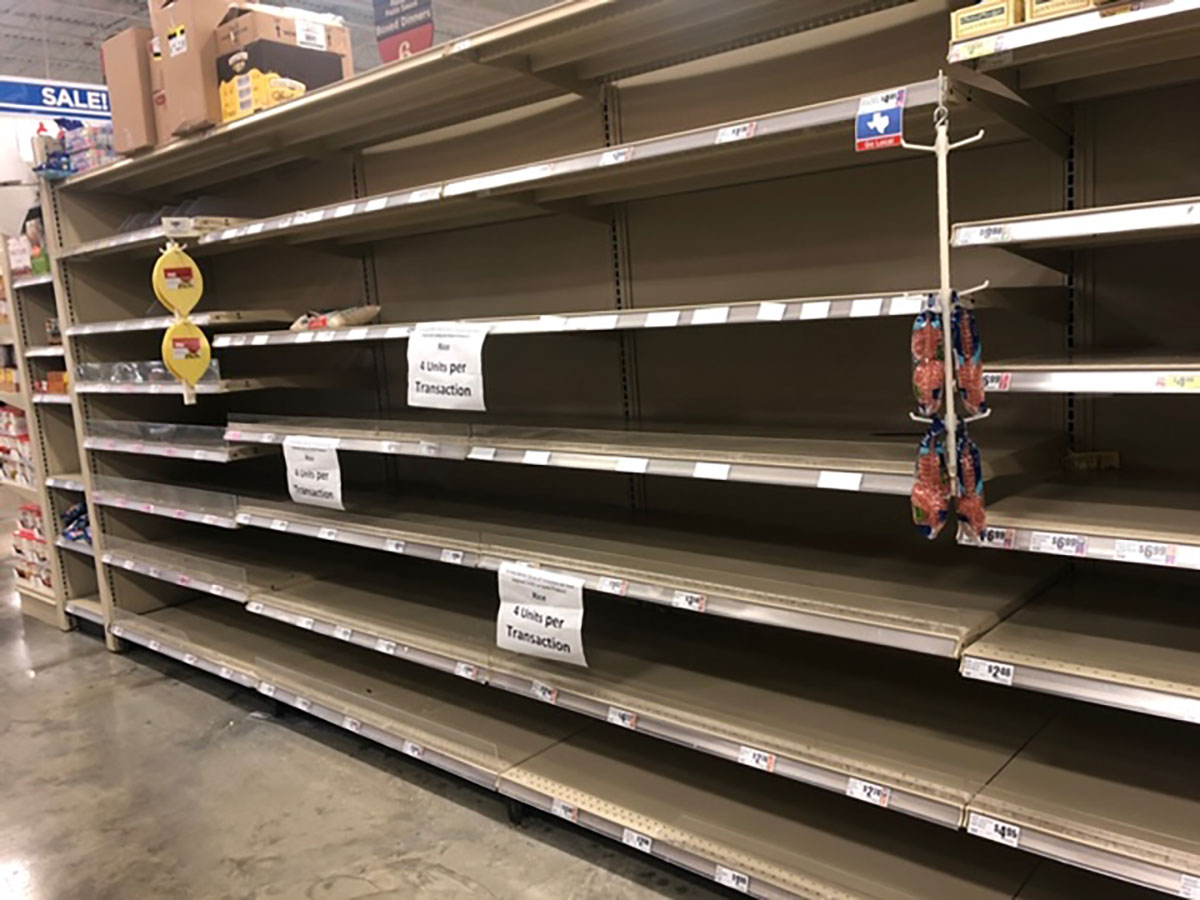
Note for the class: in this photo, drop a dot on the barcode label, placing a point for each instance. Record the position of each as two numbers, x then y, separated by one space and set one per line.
225 672
1150 553
997 381
756 759
738 132
266 688
189 658
609 585
564 810
1189 886
328 534
393 546
255 607
351 724
155 645
452 556
636 840
993 830
279 525
303 704
618 155
466 670
688 600
731 878
544 692
342 633
415 750
868 792
714 471
623 718
987 670
382 645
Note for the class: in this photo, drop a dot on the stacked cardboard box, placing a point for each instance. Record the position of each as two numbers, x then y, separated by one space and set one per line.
989 16
164 82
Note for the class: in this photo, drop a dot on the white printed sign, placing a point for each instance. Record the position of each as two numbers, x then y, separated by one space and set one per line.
313 472
994 830
311 34
445 365
541 613
868 792
987 670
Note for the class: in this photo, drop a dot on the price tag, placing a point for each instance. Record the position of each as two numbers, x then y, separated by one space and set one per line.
255 606
344 210
816 310
416 751
1058 544
189 658
279 525
993 830
466 670
356 334
243 518
425 195
756 759
129 565
536 457
486 454
637 841
328 534
710 470
304 622
770 311
225 672
689 601
393 546
868 792
839 481
217 590
997 381
987 670
183 580
710 315
259 339
342 633
1150 553
303 704
998 537
266 688
564 810
305 337
351 724
454 557
632 465
731 878
615 156
610 585
1189 887
739 132
544 692
155 645
880 120
622 717
375 204
981 234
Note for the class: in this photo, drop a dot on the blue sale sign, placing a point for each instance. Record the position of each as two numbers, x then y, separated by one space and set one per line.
30 97
880 120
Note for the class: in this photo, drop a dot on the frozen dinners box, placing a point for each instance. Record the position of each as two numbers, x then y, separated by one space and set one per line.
127 74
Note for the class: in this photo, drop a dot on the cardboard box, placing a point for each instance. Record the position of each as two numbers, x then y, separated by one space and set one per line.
158 94
1049 9
186 32
127 74
245 23
986 18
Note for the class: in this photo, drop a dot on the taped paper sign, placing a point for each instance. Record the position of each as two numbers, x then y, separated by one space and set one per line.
445 365
541 613
313 471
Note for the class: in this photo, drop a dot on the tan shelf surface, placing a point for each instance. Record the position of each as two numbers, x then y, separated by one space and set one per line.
1114 640
1109 792
13 400
207 319
1118 517
230 568
725 822
68 482
890 597
27 491
174 449
825 714
566 47
853 462
88 608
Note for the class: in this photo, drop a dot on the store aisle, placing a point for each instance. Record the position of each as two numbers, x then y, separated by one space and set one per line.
131 776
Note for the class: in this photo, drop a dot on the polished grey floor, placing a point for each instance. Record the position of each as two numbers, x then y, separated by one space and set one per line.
132 777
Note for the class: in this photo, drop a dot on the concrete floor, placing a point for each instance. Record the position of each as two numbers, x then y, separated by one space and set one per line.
133 777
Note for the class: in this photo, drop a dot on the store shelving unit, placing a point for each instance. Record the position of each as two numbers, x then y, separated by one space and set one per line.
589 183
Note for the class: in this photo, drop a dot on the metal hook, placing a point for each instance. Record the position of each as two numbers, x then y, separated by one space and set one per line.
975 290
978 136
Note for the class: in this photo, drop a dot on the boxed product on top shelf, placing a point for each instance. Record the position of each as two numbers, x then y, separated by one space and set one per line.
126 60
56 382
78 148
268 56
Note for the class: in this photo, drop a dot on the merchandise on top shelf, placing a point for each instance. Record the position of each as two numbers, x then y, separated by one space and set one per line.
1049 9
186 31
88 137
267 56
986 17
126 64
339 318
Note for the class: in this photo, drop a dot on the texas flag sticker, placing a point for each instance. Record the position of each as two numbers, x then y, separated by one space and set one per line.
880 120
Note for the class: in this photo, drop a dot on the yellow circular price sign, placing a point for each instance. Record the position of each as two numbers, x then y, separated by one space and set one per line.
177 281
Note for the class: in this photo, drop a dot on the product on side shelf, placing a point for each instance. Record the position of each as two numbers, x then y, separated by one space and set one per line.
29 518
986 17
1050 9
53 333
968 360
335 318
931 489
10 380
76 526
928 358
969 503
12 421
